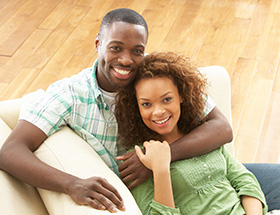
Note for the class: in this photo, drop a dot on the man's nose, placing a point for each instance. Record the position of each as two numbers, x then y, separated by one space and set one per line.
125 58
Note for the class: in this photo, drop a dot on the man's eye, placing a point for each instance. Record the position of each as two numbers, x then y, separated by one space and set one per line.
114 48
138 52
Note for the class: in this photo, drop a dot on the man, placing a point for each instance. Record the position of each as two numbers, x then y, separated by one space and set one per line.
84 102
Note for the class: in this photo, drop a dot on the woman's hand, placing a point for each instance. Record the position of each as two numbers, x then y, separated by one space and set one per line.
157 158
157 155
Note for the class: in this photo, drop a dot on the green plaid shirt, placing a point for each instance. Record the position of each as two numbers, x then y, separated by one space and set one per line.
78 103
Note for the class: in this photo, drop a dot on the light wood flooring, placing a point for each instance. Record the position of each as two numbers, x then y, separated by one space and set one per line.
42 41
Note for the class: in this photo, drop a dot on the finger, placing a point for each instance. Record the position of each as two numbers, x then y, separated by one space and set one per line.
128 179
100 202
125 172
113 195
112 189
126 162
134 184
139 152
95 204
125 156
122 166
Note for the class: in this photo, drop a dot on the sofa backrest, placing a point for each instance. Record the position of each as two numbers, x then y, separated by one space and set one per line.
220 91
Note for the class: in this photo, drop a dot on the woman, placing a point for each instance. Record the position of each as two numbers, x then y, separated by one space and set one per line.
167 100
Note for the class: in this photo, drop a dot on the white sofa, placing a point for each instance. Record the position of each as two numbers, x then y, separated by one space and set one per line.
75 156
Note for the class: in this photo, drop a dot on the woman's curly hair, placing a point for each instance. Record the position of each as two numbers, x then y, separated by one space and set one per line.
191 86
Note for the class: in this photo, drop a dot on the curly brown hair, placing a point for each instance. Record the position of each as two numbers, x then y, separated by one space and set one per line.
191 86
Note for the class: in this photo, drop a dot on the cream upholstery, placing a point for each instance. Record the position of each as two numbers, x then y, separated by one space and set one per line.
68 152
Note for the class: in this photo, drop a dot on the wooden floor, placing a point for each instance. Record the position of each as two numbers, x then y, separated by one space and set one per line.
43 41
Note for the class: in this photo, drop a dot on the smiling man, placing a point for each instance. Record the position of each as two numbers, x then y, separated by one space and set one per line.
82 102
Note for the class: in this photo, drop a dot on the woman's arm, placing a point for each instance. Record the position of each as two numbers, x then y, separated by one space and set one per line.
157 159
245 184
251 205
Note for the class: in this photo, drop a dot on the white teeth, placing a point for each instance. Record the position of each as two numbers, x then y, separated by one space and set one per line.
162 121
122 72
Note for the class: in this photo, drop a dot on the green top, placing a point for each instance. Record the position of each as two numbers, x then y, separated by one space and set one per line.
209 184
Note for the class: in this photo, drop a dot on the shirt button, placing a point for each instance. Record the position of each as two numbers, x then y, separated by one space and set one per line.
205 165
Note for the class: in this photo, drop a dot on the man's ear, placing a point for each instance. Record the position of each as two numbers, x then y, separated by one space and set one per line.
97 42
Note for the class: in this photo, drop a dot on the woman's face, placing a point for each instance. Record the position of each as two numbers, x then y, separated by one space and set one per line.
159 104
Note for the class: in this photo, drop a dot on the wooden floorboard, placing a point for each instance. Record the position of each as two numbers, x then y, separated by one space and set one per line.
41 42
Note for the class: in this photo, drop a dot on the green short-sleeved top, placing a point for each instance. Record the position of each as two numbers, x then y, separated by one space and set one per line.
207 185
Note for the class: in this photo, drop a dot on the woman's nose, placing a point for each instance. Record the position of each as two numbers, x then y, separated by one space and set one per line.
158 111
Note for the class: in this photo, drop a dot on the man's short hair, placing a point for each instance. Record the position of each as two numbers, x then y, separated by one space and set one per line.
123 15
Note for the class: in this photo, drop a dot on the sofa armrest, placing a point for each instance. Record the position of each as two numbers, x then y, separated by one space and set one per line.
67 151
17 197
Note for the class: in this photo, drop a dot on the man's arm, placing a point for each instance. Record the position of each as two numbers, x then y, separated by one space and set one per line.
17 158
212 134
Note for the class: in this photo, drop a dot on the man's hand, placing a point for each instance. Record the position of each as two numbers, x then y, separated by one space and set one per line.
132 170
97 193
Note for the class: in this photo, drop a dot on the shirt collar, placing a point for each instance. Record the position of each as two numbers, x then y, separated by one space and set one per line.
97 92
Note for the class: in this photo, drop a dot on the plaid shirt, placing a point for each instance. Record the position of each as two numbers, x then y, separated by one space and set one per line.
78 103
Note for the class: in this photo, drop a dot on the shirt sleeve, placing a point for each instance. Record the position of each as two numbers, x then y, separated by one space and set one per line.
209 105
242 180
157 208
144 197
51 111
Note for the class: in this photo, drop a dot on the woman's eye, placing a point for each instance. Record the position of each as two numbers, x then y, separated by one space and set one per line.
146 104
167 99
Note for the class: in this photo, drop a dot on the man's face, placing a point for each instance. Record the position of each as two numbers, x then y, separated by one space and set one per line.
121 49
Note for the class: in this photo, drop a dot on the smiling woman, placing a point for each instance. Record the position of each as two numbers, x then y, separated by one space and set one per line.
158 84
168 100
159 104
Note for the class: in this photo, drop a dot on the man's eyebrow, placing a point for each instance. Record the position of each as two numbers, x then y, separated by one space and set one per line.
121 43
116 41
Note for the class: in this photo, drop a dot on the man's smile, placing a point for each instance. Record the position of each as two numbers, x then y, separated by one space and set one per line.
122 71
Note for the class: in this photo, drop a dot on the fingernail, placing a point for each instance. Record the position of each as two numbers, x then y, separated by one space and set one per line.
114 210
123 208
